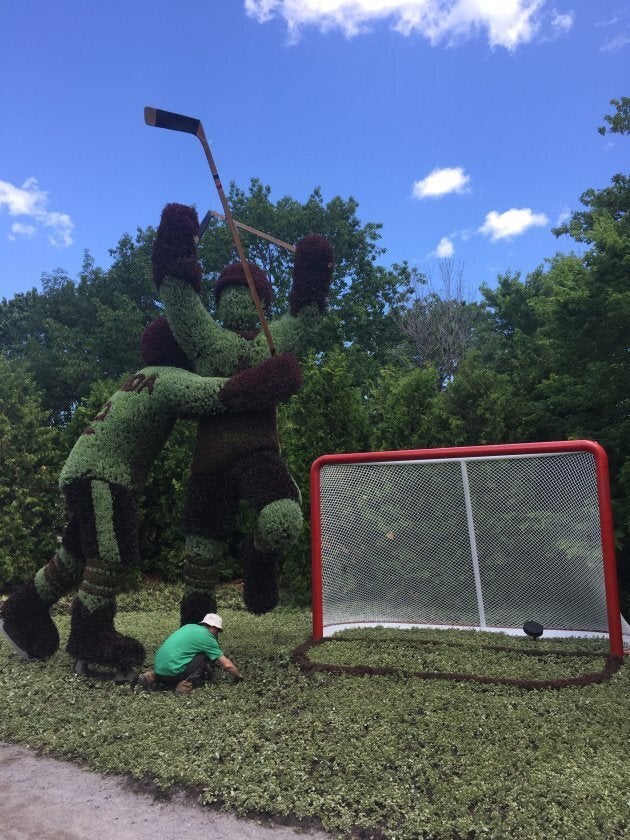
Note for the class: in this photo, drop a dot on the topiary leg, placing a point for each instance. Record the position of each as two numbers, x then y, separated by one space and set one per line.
267 485
108 518
26 623
260 577
94 639
201 574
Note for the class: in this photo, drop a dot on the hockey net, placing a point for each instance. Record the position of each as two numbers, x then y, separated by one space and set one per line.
473 538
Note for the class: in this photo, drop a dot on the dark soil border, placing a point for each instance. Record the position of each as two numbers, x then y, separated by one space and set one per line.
612 664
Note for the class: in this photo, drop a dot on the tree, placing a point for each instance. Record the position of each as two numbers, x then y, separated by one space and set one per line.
30 507
74 333
619 122
439 324
402 409
328 415
362 293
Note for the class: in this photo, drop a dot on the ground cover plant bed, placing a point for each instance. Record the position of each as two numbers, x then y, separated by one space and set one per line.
375 756
441 654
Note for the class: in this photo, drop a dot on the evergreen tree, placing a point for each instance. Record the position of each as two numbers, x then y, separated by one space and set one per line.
31 511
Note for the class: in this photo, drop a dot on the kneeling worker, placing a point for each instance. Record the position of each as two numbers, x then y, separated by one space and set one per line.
187 656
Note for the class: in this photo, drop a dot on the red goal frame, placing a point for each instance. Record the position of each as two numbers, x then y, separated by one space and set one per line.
603 493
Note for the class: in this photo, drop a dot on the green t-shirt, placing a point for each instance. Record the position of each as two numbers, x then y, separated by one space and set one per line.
181 646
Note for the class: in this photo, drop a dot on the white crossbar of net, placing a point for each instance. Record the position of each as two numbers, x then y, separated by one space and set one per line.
483 543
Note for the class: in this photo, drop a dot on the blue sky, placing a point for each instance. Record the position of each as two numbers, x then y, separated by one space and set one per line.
468 128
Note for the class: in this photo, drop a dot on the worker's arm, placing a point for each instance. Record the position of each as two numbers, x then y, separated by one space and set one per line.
230 667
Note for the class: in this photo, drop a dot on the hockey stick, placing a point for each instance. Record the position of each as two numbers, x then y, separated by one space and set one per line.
177 122
213 213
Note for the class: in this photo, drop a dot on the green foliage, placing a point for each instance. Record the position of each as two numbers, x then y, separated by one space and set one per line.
402 406
76 332
542 357
363 293
328 415
84 412
393 758
619 122
30 509
480 406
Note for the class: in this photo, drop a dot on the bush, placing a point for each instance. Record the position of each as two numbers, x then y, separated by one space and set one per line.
31 511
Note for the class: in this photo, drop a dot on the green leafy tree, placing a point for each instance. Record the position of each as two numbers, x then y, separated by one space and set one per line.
619 122
30 506
328 415
402 405
74 333
363 293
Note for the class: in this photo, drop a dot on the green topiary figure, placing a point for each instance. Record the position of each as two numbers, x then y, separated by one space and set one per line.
237 457
101 481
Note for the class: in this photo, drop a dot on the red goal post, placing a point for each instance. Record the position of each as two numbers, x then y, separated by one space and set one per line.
477 537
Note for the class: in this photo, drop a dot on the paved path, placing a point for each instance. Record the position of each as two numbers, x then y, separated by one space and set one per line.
45 799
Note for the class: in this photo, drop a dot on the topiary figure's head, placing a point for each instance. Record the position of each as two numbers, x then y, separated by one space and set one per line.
235 308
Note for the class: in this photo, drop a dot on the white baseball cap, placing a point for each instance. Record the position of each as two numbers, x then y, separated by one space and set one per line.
213 620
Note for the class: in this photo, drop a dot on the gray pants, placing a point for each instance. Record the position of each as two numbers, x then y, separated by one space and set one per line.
197 671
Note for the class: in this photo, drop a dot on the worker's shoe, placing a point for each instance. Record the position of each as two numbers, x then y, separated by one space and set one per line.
148 681
184 687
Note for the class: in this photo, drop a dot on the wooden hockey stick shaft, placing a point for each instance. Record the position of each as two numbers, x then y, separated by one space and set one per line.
191 125
243 226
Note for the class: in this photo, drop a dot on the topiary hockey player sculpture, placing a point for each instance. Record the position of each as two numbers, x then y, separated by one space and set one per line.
101 481
237 457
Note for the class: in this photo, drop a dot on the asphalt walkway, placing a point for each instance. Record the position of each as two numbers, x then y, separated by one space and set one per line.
45 799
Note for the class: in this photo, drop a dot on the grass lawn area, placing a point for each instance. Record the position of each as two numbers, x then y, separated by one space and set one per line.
376 756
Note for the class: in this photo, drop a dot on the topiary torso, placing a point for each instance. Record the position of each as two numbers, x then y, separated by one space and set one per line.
125 437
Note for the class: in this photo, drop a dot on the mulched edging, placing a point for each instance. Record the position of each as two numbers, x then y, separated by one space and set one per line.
612 664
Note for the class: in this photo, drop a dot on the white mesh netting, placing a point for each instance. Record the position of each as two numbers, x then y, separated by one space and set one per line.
485 542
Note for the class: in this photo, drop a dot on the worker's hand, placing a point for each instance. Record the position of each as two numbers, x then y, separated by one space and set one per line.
237 678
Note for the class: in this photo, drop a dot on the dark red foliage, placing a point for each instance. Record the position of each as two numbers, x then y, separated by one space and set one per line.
260 577
194 606
234 275
312 273
27 621
94 638
264 386
175 246
159 347
257 476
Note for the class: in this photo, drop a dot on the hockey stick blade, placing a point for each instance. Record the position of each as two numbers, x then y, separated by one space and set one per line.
167 119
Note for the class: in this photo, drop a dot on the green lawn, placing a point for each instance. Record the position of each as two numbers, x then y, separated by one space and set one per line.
395 756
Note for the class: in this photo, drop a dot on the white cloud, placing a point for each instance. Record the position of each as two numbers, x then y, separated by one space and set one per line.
507 23
18 229
28 200
511 223
562 23
441 182
621 37
445 248
619 42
